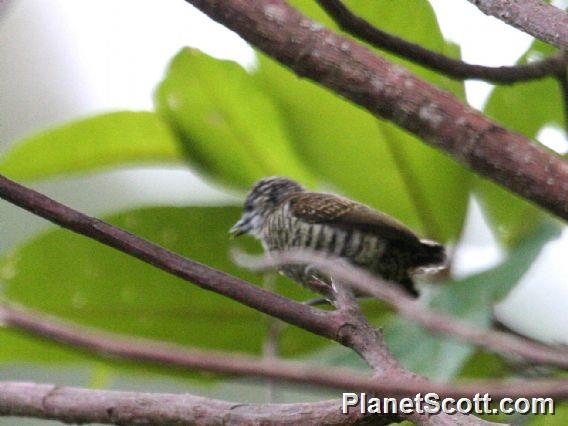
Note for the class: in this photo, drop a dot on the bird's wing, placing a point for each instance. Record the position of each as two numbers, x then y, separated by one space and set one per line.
341 212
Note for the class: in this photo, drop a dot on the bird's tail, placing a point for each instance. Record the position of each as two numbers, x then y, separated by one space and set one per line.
430 254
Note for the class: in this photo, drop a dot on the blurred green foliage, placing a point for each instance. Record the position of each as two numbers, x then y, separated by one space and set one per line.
229 128
101 142
235 126
84 281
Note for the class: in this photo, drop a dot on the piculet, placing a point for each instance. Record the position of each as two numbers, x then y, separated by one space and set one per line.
285 216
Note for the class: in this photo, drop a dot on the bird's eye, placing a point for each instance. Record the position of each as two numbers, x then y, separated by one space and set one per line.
248 206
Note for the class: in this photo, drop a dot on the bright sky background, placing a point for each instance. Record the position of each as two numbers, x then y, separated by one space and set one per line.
60 59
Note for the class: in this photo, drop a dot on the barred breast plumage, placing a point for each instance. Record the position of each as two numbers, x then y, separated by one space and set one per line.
284 231
284 216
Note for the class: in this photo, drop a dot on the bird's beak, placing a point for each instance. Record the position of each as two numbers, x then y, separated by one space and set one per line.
240 228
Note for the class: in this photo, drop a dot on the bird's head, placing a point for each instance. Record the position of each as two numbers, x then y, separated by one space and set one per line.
264 197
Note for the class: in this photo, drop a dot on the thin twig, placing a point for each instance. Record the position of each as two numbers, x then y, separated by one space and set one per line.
392 92
534 17
359 279
450 67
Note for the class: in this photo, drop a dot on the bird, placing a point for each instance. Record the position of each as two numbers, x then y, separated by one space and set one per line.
285 216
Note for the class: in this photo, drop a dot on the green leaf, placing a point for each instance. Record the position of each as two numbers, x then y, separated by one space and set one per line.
526 108
230 130
98 142
75 278
471 300
367 159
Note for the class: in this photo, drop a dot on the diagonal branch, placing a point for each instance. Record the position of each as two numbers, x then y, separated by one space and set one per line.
504 343
392 92
534 17
450 67
317 321
347 328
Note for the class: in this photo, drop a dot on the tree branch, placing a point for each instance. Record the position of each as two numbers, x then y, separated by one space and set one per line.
332 325
317 321
335 325
386 90
363 337
450 67
174 356
80 405
328 324
534 17
342 326
410 308
392 92
75 405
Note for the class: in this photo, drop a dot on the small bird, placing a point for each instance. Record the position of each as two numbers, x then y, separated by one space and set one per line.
284 216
